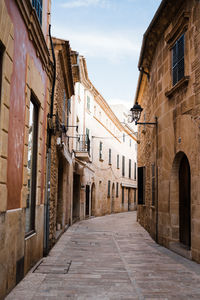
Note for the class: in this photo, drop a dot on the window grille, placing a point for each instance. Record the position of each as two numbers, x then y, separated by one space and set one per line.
37 4
178 60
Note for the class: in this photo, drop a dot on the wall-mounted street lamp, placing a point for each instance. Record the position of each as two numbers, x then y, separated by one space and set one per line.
136 111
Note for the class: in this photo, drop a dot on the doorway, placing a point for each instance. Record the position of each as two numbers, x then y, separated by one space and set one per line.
184 202
59 208
87 204
93 200
113 198
76 197
129 199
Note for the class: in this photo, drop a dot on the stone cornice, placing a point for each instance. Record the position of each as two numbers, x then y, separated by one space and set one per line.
65 53
164 15
35 34
107 129
178 29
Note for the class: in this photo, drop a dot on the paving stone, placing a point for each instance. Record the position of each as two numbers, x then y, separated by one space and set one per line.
111 258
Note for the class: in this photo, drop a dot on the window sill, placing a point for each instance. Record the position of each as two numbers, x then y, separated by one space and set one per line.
179 85
101 159
30 235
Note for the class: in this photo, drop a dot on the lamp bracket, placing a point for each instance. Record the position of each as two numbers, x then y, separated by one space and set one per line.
148 123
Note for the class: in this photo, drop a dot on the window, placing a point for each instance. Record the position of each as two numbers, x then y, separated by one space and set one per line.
37 4
122 195
88 102
117 161
123 165
87 132
135 168
87 138
153 184
117 189
178 60
32 166
129 173
64 104
100 151
124 137
130 142
109 160
141 185
68 110
108 188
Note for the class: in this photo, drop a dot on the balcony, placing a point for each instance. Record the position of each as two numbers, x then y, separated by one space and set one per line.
82 150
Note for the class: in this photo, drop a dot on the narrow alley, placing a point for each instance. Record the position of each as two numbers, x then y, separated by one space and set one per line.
110 257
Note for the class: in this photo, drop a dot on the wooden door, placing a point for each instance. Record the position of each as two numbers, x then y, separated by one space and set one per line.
184 203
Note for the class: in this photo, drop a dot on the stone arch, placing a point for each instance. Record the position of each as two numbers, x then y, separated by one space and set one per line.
93 199
176 206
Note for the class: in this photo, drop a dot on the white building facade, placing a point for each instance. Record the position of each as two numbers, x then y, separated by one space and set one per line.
105 150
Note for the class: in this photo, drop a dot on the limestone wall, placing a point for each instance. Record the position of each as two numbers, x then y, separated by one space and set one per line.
177 110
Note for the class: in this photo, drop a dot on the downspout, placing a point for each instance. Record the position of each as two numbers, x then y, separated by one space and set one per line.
157 181
48 167
141 69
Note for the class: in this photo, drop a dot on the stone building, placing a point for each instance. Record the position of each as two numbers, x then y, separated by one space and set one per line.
169 153
25 74
104 154
61 182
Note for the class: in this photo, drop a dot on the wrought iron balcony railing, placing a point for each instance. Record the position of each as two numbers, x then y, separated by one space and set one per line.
83 143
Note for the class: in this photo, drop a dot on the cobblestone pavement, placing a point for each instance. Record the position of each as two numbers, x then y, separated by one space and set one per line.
110 257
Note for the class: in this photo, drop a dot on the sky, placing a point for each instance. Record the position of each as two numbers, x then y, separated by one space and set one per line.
108 33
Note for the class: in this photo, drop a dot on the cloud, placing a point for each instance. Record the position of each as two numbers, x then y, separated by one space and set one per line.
112 46
85 3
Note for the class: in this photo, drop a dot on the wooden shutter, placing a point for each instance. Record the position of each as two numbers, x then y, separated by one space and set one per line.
109 156
117 161
129 168
100 150
123 165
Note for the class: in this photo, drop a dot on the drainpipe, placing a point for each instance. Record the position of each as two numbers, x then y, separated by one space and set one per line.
156 181
141 69
48 167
